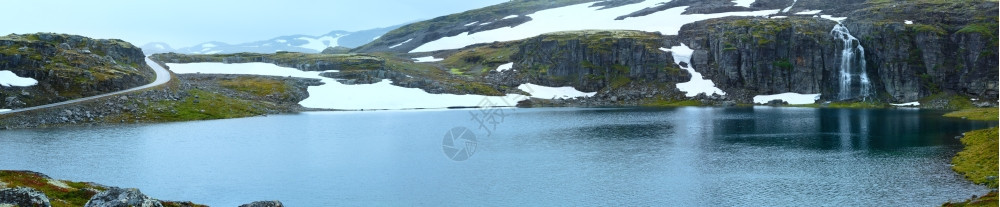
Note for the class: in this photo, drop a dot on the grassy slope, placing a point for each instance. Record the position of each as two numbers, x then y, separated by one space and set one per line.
978 160
72 194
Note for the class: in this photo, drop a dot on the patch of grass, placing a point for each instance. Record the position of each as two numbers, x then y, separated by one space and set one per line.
672 103
988 200
783 64
206 106
978 160
456 71
979 114
256 86
58 196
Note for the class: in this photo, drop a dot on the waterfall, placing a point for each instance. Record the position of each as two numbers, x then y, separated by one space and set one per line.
854 81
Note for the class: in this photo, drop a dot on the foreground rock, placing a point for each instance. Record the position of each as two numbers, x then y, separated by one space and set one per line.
23 196
122 197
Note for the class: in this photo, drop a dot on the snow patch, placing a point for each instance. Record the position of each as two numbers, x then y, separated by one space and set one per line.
697 84
334 95
778 17
546 92
427 59
321 43
509 17
485 23
375 38
401 43
208 45
584 17
159 46
472 23
791 98
505 67
830 17
915 103
9 79
744 3
809 12
213 52
281 41
4 110
908 22
789 7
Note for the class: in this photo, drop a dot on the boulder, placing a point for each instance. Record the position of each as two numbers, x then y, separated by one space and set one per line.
23 196
122 197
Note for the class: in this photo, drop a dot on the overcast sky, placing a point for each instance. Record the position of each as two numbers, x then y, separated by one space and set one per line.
183 23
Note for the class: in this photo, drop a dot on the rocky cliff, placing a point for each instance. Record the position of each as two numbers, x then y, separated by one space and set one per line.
68 67
911 51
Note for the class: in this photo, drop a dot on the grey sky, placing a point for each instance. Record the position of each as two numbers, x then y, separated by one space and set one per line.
183 23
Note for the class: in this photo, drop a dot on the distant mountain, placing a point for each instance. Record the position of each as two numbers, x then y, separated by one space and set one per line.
290 43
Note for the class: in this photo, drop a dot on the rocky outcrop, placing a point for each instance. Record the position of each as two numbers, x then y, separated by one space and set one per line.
122 197
948 47
264 204
23 196
301 61
68 67
755 56
594 60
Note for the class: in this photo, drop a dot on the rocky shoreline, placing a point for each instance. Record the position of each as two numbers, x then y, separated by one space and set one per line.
27 188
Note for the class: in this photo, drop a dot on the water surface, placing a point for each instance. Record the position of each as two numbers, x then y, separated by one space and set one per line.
759 156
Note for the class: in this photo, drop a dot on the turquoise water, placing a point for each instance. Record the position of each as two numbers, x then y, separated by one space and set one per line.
759 156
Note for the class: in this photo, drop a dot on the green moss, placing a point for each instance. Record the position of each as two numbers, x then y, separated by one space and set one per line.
457 71
978 161
75 195
672 103
783 64
926 28
206 106
981 114
988 200
257 86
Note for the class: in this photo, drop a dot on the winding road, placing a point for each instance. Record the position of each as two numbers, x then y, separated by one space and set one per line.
162 76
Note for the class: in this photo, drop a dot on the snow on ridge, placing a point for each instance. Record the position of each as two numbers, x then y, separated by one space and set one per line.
159 46
375 38
472 23
208 45
830 17
790 7
505 67
5 110
401 43
546 92
697 84
915 103
426 59
335 95
584 17
744 3
509 17
9 79
281 41
908 22
809 12
321 43
791 98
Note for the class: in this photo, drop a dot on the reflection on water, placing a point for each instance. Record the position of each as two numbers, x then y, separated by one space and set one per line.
759 156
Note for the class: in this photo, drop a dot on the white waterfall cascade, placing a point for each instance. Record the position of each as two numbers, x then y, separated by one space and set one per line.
854 81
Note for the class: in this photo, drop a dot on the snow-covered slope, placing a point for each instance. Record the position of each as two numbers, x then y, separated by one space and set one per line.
584 17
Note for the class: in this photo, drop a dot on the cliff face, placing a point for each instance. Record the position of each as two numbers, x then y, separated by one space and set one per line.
948 47
594 60
912 49
753 56
68 67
